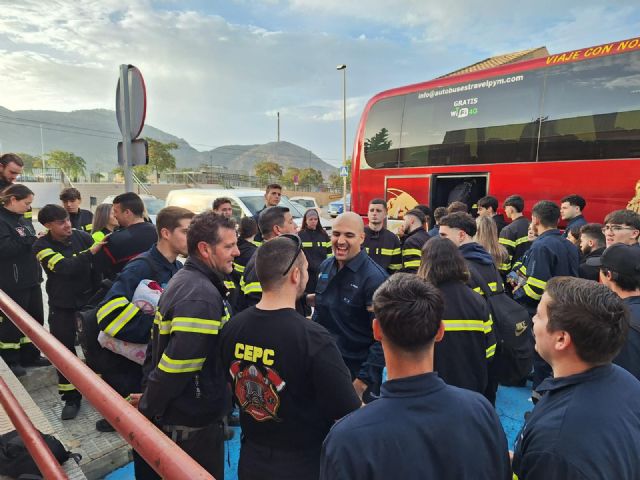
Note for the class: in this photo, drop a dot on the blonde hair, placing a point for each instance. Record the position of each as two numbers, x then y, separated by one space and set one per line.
101 217
487 236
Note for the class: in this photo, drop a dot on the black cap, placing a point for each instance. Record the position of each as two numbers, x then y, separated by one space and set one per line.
620 258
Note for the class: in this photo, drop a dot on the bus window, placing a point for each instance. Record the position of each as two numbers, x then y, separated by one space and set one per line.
591 110
382 133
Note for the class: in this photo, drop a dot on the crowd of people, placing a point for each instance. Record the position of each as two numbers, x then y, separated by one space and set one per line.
358 354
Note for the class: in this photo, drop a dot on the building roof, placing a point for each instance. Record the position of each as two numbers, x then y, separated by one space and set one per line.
500 60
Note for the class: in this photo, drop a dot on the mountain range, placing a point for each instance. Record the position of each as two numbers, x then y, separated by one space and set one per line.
93 134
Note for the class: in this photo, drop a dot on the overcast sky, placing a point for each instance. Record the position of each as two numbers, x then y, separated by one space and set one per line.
217 71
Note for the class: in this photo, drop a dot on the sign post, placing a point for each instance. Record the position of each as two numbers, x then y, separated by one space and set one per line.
131 108
344 173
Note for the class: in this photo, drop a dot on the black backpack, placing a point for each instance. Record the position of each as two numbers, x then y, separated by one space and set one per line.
100 359
513 330
16 461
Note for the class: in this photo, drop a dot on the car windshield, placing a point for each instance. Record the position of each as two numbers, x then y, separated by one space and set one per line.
255 203
154 205
305 203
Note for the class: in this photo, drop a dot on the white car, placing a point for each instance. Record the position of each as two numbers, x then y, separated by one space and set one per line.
243 201
152 204
307 202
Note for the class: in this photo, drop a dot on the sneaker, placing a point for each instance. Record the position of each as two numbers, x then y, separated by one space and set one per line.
103 426
17 369
36 362
70 410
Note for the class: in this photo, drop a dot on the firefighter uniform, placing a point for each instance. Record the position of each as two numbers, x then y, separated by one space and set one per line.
316 246
186 392
240 262
383 247
515 238
82 220
20 278
412 249
70 284
575 222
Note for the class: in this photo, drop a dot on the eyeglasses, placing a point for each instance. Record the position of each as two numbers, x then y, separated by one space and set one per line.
616 228
296 239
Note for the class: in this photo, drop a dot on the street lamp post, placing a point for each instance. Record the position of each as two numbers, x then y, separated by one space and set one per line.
343 67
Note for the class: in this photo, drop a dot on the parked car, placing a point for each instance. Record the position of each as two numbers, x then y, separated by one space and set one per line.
152 204
243 201
336 207
307 202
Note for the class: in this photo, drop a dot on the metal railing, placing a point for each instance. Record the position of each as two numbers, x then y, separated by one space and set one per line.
163 455
137 180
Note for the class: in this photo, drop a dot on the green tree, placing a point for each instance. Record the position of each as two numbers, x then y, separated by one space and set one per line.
380 141
288 176
335 180
30 161
310 177
160 157
267 171
72 165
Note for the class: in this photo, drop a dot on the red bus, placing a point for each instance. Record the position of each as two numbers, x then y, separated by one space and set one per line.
542 128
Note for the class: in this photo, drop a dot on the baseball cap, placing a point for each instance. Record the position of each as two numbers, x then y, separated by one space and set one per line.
620 258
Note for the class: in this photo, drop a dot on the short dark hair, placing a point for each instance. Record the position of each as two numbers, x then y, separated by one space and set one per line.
594 316
248 227
205 227
8 158
575 201
623 217
626 283
439 212
17 190
130 201
460 220
547 212
272 258
70 194
594 232
169 218
488 201
409 310
442 262
270 217
575 232
273 186
416 212
514 201
457 206
379 201
52 213
218 202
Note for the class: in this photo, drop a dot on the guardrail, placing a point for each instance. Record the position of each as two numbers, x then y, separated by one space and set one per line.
164 456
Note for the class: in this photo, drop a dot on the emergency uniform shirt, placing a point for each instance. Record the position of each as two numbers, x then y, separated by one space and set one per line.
412 249
240 262
316 246
18 265
587 271
384 248
575 222
482 268
462 357
187 385
515 238
82 220
420 428
585 427
629 356
287 377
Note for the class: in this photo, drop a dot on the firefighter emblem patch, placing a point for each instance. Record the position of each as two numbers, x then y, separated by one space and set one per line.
257 387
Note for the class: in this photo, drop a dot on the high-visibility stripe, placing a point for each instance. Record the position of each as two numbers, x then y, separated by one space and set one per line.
28 214
121 320
238 268
491 350
534 282
389 251
307 244
515 477
530 293
257 244
229 284
24 340
44 253
195 325
66 387
505 267
253 287
488 325
164 326
463 325
507 242
98 236
88 227
171 365
412 263
110 306
9 346
411 251
478 290
521 240
327 244
54 260
395 266
493 286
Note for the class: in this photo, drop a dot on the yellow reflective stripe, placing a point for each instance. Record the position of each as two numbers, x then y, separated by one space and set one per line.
253 287
9 346
170 365
24 340
121 320
257 244
515 477
88 227
195 325
44 253
412 251
478 290
491 350
463 325
329 255
164 326
488 325
238 268
523 270
534 282
530 293
98 236
412 263
504 267
28 214
307 244
389 251
54 260
66 387
327 244
507 242
521 240
493 286
396 266
110 306
229 284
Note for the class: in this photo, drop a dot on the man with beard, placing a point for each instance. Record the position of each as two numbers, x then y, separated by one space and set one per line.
592 244
11 166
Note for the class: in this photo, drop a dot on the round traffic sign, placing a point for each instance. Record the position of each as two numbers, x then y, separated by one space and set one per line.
137 103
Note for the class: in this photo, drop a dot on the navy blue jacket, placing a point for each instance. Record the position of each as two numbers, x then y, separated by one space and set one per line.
420 428
578 221
629 356
342 298
480 262
585 427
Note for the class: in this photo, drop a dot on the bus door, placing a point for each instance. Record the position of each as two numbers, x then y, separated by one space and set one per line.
403 193
464 187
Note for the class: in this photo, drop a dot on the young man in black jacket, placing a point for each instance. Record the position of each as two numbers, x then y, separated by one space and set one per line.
66 255
415 236
382 245
80 219
186 392
592 244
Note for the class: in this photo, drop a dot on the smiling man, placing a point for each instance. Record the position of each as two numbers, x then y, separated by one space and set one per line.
343 300
622 226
